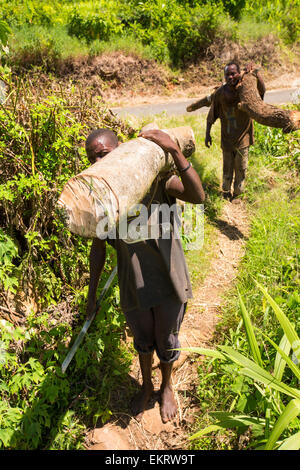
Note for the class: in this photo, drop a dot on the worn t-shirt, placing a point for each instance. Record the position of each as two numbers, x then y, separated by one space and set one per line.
236 125
151 269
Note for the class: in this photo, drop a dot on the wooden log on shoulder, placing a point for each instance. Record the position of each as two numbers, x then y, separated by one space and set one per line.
111 187
264 113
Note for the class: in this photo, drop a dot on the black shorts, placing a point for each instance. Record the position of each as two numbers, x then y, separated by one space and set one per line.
157 328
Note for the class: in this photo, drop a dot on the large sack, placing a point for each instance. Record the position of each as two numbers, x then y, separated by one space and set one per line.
111 187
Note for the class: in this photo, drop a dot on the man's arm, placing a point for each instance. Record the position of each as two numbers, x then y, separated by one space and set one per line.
208 139
212 116
97 261
189 188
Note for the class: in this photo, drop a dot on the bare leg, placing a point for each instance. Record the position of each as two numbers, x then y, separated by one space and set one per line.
141 400
168 408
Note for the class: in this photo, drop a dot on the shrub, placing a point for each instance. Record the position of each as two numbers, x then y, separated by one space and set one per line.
189 33
41 140
100 23
41 147
283 15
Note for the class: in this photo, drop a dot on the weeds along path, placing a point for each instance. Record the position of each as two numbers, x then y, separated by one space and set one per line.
124 432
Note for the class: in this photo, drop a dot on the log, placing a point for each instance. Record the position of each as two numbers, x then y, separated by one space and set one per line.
111 187
205 101
264 113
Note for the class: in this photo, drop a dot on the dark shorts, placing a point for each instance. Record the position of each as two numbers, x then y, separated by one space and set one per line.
157 328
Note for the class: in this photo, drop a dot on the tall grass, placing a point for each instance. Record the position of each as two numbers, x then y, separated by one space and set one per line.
272 259
41 45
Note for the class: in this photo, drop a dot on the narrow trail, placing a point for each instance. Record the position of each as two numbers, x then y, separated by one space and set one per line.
123 432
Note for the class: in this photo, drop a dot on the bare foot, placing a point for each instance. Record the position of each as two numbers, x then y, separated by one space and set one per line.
140 401
168 407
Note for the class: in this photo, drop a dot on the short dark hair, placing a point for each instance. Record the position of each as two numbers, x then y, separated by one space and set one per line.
99 133
233 63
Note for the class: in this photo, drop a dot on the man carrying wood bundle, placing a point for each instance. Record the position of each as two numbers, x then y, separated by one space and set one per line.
153 277
236 129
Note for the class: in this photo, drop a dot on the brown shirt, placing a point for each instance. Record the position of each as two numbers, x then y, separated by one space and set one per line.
152 269
236 125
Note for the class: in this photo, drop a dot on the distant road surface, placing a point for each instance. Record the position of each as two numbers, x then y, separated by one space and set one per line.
276 97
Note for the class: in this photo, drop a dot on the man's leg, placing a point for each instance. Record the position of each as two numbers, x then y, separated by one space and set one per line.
240 170
168 407
228 166
141 324
167 321
142 399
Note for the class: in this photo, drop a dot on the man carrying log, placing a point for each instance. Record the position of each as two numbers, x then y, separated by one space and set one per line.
153 277
236 129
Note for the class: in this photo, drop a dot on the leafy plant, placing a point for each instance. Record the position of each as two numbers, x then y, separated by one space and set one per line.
41 147
8 270
273 390
98 23
5 31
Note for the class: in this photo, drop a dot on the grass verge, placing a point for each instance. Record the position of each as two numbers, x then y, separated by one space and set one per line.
272 259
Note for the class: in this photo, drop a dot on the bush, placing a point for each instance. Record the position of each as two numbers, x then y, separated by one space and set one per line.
94 25
41 146
189 33
283 15
177 32
20 12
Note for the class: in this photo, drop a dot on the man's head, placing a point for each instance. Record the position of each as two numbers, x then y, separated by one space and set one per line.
232 73
99 143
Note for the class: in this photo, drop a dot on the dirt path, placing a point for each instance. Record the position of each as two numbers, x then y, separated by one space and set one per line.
123 432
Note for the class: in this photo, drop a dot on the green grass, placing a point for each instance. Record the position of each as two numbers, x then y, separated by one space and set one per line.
32 44
250 29
271 258
172 33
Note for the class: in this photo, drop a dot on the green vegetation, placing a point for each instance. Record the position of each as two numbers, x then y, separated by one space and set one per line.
241 404
172 32
43 128
266 430
41 146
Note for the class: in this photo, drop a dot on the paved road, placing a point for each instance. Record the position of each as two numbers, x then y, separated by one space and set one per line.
278 97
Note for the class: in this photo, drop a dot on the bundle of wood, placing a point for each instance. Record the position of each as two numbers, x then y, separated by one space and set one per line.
251 102
266 114
112 186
